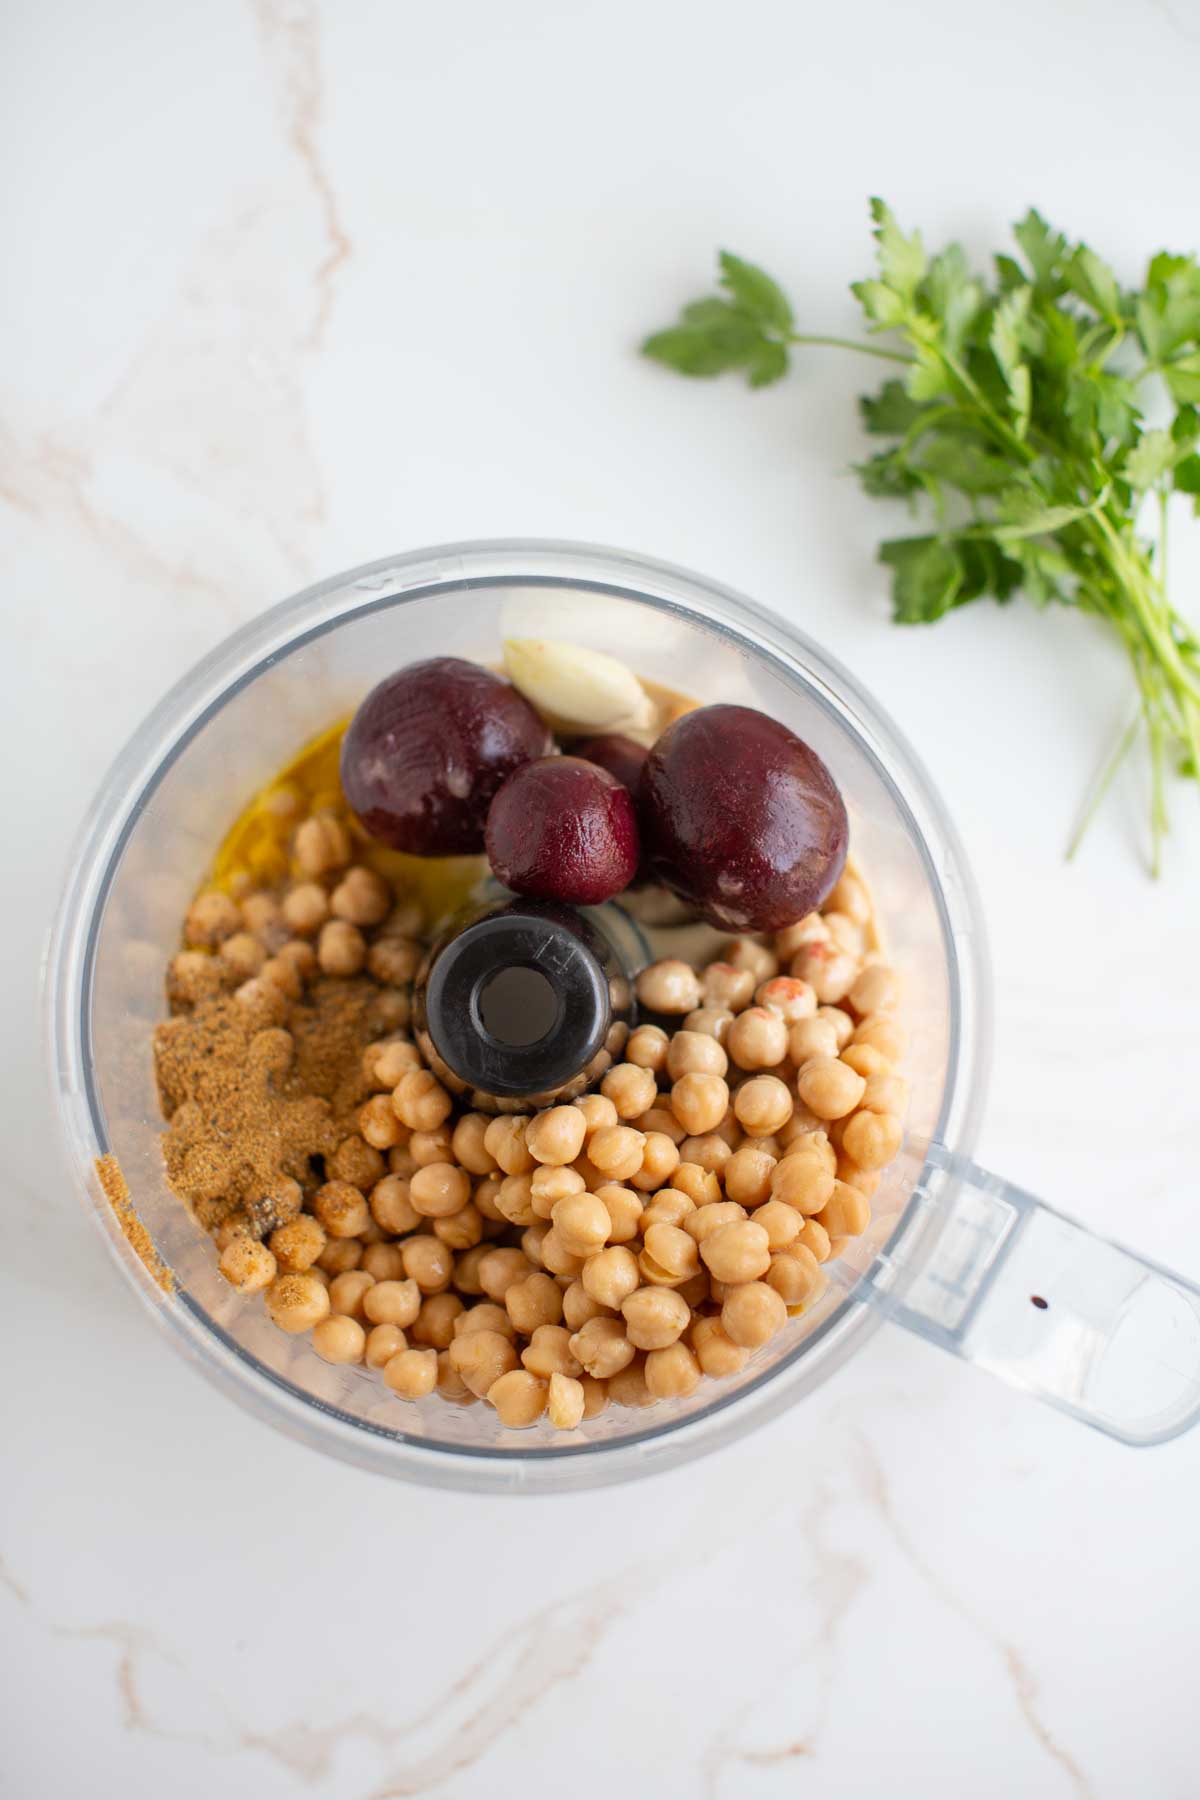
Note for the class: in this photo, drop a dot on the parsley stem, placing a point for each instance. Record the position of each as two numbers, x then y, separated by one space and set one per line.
1104 781
838 343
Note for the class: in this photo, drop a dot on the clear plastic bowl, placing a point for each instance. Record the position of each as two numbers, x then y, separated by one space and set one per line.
942 1232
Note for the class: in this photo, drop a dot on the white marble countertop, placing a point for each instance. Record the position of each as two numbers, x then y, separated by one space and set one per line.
290 287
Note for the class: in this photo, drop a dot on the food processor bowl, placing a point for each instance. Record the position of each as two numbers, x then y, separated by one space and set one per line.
951 1252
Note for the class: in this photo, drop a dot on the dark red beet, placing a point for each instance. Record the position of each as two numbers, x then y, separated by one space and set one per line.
564 829
619 755
427 750
741 819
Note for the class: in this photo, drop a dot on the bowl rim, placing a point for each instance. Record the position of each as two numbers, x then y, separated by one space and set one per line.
181 715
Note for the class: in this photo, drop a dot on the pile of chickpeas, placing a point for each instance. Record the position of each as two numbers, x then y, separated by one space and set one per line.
616 1249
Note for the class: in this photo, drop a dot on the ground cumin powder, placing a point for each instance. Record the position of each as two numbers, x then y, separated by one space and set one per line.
116 1192
249 1106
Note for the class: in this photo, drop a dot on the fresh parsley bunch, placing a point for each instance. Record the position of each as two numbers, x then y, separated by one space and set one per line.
1017 430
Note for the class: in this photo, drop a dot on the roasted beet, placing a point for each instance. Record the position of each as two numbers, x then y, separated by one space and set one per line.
564 829
619 755
427 750
741 819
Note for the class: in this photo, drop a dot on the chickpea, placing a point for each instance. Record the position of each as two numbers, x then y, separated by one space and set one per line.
669 1255
556 1136
427 1262
616 1150
814 1237
421 1101
297 1301
579 1307
846 933
322 845
624 1209
480 1358
341 1209
795 1274
724 985
486 1195
388 1011
830 971
710 1217
390 1061
865 1181
595 1396
647 1047
699 1102
699 1184
305 908
628 1386
850 897
450 1384
811 1037
436 1146
534 1236
356 1162
557 1258
757 1039
710 1021
211 917
866 1061
340 1255
804 1181
872 1139
631 1089
519 1398
548 1352
660 1159
748 953
739 1251
670 986
265 1003
695 1053
550 1183
583 1223
378 1124
655 1317
715 1350
780 1222
196 976
487 1316
504 1140
391 1302
565 1402
439 1189
361 898
882 1033
384 1262
382 1343
830 1088
339 1340
789 999
434 1324
876 990
463 1229
499 1269
673 1373
660 1121
763 1104
847 1213
602 1348
391 1206
535 1300
843 1024
300 956
248 1265
730 1132
748 1176
752 1313
412 1373
234 1225
347 1291
297 1244
598 1113
341 948
610 1275
244 955
670 1206
468 1147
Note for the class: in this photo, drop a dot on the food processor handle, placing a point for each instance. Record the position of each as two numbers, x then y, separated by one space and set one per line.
1003 1280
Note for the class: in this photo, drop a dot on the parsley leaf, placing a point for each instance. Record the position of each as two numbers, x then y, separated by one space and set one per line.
1015 430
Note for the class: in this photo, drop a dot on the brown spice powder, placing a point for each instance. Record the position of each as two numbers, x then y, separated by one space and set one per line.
116 1192
249 1106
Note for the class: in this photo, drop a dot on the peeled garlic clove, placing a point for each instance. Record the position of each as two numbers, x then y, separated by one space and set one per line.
577 690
